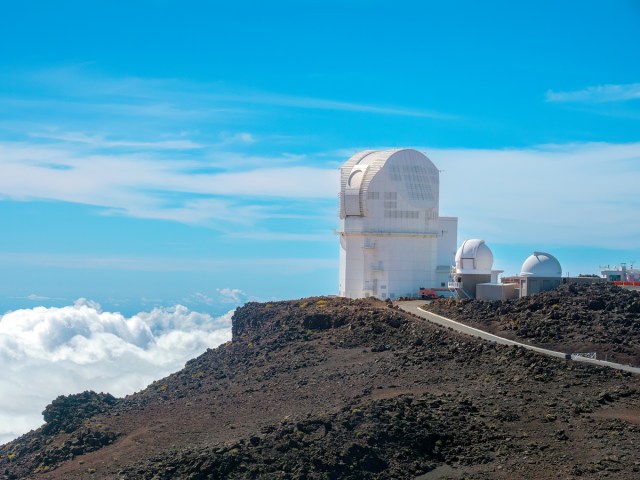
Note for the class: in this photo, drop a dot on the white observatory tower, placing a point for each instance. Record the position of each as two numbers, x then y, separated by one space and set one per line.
393 240
474 261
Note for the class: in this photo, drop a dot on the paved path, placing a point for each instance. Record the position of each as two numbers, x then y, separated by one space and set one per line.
413 306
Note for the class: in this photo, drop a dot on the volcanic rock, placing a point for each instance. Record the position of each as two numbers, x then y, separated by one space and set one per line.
601 318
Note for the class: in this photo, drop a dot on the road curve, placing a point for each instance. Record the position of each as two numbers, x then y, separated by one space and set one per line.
413 306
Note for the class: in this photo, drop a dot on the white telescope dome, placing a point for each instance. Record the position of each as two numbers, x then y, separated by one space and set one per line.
474 257
406 173
541 264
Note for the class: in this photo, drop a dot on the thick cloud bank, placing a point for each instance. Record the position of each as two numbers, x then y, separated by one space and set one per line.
46 352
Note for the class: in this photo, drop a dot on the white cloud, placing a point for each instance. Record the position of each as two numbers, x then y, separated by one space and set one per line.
46 352
145 186
99 141
35 297
160 96
232 295
574 194
240 137
336 105
199 298
599 93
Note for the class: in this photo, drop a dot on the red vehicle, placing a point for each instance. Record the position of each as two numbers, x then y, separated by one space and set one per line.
427 294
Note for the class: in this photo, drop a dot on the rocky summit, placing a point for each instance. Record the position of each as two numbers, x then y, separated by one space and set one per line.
331 388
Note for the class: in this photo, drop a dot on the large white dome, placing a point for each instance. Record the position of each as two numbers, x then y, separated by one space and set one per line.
474 257
410 175
541 264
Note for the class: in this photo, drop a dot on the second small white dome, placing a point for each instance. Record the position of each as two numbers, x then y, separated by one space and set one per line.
541 264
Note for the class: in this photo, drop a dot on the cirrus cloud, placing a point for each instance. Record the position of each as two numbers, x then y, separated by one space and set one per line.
149 186
598 93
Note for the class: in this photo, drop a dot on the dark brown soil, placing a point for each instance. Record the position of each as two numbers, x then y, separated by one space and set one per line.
600 318
335 388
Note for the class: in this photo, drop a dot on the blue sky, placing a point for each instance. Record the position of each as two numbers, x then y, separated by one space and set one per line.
162 152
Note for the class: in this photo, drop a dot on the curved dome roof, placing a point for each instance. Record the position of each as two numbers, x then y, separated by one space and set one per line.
416 178
541 264
474 257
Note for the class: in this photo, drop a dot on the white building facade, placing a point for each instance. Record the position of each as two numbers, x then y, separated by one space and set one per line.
393 240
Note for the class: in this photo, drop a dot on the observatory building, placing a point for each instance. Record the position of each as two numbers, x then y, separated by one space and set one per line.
393 240
474 277
474 262
540 272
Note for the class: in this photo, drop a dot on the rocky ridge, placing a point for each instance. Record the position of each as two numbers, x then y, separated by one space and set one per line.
601 318
325 388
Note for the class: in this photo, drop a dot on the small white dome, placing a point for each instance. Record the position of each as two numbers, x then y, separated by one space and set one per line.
474 257
541 264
